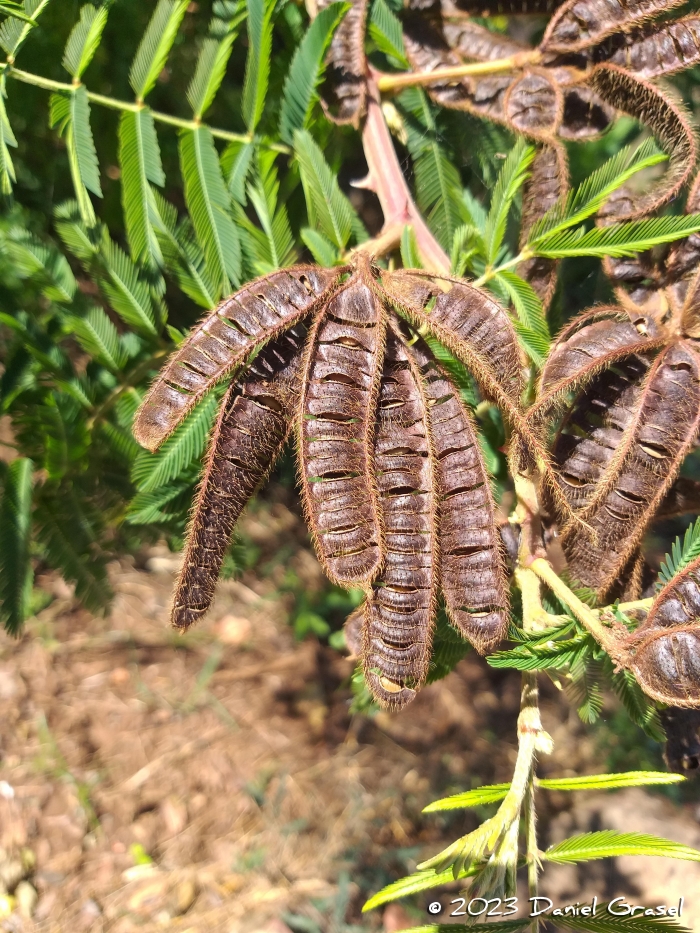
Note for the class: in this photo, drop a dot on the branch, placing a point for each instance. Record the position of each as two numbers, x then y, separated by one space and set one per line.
396 82
387 180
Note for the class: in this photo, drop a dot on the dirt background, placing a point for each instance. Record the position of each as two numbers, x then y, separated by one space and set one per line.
217 782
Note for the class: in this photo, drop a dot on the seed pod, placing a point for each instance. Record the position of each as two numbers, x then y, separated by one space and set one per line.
250 431
258 312
472 568
657 50
579 25
664 652
400 609
534 104
547 184
589 344
497 7
476 43
586 115
337 428
344 91
664 117
641 441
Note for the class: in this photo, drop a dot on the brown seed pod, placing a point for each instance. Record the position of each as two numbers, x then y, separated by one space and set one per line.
344 90
534 104
664 117
496 7
683 498
472 566
254 420
581 25
476 43
336 443
400 609
585 116
664 652
223 339
656 50
642 441
547 184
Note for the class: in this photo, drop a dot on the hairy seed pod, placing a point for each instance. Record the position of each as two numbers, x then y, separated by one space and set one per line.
253 423
534 104
344 92
586 115
664 117
657 50
472 568
664 652
547 184
647 435
591 343
476 43
400 609
224 338
337 425
498 7
582 24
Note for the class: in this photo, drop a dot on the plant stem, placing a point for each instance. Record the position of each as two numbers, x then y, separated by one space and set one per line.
588 617
388 82
387 180
113 103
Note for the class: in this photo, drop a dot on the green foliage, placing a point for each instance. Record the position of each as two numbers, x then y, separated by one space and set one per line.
214 55
510 180
257 72
15 530
84 39
609 842
681 554
155 46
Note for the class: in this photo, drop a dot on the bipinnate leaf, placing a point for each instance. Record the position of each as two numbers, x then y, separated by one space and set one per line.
98 336
139 158
490 793
604 922
13 31
610 842
214 55
209 203
254 420
340 387
617 240
7 138
320 247
258 312
180 451
510 180
385 30
610 781
127 290
85 38
412 884
182 254
155 46
325 202
682 554
70 113
531 325
16 573
257 69
306 69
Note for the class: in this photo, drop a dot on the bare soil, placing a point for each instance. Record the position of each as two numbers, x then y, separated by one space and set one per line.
216 781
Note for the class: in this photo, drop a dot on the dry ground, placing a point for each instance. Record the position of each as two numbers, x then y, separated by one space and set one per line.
217 782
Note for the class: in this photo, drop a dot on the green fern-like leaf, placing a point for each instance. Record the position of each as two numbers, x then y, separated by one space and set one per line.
409 248
325 202
98 336
208 203
14 30
14 8
610 842
413 884
590 196
7 138
148 508
682 554
214 56
155 46
531 325
139 157
182 254
616 241
70 113
15 529
387 33
320 247
640 709
84 39
127 291
236 163
489 793
179 452
611 781
279 240
257 72
43 262
511 178
604 922
306 69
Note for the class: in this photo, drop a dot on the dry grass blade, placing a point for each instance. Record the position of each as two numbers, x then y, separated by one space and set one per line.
254 421
472 568
400 609
337 429
258 312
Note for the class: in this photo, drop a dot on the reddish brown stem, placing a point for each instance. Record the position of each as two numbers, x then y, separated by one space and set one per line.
387 180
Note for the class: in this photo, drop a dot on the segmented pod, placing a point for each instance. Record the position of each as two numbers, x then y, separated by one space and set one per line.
344 91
